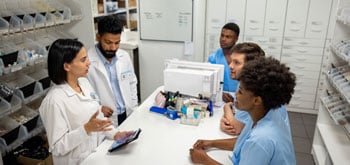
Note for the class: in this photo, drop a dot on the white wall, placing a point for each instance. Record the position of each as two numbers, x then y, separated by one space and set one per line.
153 53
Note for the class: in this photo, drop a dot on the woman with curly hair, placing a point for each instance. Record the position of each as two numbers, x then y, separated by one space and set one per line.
265 85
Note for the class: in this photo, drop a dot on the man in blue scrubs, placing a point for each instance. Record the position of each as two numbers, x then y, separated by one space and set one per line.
228 38
265 85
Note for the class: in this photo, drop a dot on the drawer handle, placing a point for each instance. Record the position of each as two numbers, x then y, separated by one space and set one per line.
273 28
302 50
316 30
303 43
295 29
253 21
262 40
316 23
253 28
300 67
300 59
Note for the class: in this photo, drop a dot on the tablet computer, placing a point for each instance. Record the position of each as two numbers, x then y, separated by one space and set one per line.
124 141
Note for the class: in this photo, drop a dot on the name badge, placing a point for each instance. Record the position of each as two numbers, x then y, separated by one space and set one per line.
126 75
94 96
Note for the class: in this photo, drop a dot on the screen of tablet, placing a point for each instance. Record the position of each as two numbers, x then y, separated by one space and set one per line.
123 141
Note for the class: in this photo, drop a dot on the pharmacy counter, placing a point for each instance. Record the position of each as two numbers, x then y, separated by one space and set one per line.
162 140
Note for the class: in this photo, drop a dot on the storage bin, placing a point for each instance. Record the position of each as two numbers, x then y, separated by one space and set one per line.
9 59
4 26
42 77
26 117
25 87
5 106
34 105
11 127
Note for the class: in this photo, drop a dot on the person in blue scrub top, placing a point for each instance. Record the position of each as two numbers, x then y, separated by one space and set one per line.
233 120
265 85
228 38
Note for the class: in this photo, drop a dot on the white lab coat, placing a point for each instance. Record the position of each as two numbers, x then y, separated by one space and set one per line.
64 113
99 80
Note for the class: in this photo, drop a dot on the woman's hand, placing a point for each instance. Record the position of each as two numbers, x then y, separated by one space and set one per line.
122 134
97 125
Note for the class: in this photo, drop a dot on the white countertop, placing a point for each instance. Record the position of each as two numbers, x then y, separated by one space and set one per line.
162 140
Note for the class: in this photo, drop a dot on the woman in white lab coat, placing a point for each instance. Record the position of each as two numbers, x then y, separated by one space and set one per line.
112 73
70 111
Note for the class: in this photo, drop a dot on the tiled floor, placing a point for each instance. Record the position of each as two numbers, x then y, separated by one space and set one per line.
303 127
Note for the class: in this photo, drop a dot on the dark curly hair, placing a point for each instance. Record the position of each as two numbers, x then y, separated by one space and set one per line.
269 79
249 49
109 24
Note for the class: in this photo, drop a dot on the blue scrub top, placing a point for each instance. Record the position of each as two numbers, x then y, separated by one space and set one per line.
269 142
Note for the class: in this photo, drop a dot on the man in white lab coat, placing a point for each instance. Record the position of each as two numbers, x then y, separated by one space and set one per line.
111 72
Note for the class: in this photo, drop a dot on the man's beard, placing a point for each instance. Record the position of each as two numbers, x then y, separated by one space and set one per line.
107 54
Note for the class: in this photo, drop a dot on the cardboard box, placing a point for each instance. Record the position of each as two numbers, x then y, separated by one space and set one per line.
30 161
121 3
133 25
132 3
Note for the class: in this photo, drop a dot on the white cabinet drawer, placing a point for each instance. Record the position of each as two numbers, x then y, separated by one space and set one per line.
301 104
302 50
263 40
303 89
298 58
301 74
303 66
303 42
312 83
271 48
303 97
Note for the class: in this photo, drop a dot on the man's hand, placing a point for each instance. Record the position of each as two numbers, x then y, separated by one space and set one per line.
107 112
